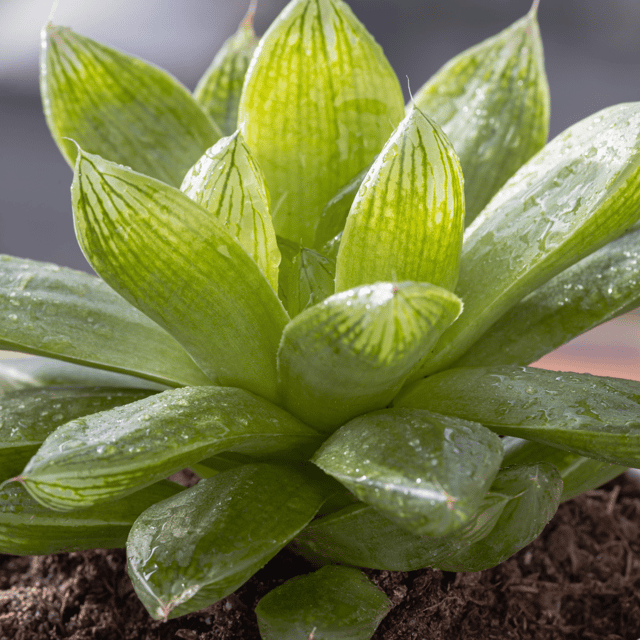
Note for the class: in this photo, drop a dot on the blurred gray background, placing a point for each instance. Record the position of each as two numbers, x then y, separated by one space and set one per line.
592 53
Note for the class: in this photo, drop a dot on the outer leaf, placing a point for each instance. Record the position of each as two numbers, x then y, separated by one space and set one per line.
119 107
351 353
319 101
59 312
581 191
219 89
28 416
407 220
228 182
27 528
171 259
334 603
492 101
29 372
592 416
426 472
114 453
600 287
187 552
359 535
579 474
536 490
306 277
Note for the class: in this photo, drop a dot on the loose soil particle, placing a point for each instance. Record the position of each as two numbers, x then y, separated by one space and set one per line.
579 581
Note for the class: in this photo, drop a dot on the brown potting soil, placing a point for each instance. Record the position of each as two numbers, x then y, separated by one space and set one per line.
579 580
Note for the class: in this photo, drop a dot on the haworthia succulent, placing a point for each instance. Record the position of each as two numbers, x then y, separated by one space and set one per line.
333 603
426 472
407 220
492 101
596 417
27 528
218 91
28 416
170 258
580 192
319 101
579 474
227 182
306 277
535 491
119 107
600 287
351 353
110 454
54 311
190 551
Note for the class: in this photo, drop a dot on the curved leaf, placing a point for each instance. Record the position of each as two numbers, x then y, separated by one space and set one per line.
54 311
580 192
27 528
190 551
227 182
111 454
426 472
407 220
600 287
334 603
492 102
28 416
592 416
170 258
319 101
119 107
351 353
218 91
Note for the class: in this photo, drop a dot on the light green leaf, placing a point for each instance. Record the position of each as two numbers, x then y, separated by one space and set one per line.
579 474
34 371
535 491
334 603
352 352
28 416
219 89
319 101
600 287
426 472
119 107
492 101
190 551
407 220
580 192
27 528
306 277
227 182
171 259
592 416
59 312
111 454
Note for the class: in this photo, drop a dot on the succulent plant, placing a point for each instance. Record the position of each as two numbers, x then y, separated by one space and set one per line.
288 303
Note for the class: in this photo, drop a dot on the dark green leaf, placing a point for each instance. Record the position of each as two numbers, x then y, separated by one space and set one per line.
334 603
119 107
426 472
492 101
192 550
351 353
407 220
319 101
50 310
595 417
173 260
111 454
